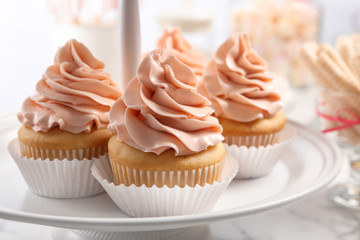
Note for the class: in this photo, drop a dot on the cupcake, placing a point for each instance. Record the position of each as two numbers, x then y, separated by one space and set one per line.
174 42
165 142
242 94
64 125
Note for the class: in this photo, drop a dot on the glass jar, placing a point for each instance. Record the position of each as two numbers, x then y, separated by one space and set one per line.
339 117
277 29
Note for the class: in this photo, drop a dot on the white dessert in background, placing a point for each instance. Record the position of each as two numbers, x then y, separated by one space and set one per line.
196 24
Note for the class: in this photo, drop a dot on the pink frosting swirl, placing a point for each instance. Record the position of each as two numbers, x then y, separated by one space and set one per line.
74 94
175 44
237 83
162 110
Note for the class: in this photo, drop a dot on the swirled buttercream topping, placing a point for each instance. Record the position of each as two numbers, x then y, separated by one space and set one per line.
162 110
74 93
174 43
237 83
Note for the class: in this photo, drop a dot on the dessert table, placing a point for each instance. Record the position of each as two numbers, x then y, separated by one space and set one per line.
315 217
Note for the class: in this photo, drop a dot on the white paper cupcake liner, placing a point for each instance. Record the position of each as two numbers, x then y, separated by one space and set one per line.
256 141
56 178
170 178
154 201
259 161
62 154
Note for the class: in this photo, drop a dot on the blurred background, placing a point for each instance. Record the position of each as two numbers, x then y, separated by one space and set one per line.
31 31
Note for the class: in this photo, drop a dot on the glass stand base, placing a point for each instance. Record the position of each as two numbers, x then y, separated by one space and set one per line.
346 195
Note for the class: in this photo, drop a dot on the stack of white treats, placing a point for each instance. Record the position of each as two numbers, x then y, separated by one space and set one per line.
337 74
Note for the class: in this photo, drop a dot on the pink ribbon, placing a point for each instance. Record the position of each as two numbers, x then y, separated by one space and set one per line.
346 123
